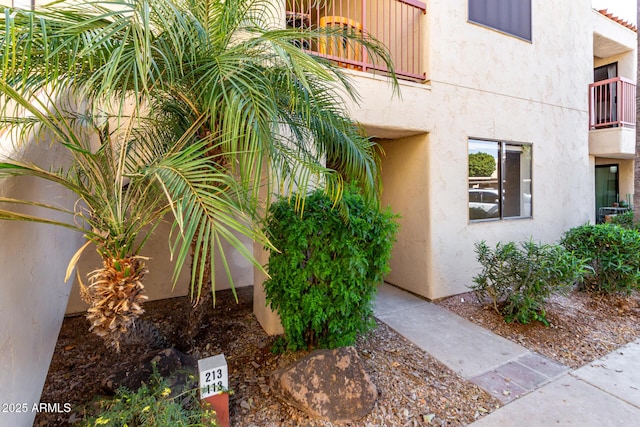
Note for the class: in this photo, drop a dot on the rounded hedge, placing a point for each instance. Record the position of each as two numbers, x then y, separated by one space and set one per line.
612 251
323 279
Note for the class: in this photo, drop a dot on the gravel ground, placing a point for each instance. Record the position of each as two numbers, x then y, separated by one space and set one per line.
414 389
582 328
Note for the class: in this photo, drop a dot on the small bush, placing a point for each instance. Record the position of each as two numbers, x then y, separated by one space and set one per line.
613 252
323 280
519 280
152 405
625 220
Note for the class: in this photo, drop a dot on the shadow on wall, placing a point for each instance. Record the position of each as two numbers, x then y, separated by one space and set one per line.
158 281
33 295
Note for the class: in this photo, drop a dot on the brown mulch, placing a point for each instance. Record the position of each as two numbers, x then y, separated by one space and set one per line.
582 327
414 389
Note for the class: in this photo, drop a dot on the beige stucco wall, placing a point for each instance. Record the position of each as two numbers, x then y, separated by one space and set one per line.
484 84
619 142
158 281
406 191
610 37
626 63
33 295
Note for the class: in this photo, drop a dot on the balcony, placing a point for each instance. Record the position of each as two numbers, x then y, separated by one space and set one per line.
612 103
395 23
612 118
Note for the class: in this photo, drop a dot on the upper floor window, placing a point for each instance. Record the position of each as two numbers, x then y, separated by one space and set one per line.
499 180
509 16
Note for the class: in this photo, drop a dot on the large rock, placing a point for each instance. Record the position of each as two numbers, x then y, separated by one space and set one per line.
327 384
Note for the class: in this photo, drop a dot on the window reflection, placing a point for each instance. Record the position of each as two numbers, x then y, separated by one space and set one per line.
499 180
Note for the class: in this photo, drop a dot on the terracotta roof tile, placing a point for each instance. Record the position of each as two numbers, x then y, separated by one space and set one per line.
617 19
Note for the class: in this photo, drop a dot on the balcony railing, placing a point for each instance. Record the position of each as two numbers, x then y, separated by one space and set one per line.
395 23
612 103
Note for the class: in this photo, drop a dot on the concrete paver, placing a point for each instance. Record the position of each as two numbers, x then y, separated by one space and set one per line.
391 299
618 373
463 346
567 401
541 364
499 387
536 391
522 375
518 377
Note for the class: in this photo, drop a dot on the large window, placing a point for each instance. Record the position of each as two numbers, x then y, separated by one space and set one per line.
499 180
509 16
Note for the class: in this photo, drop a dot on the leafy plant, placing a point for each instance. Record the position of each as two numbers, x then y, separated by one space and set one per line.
173 106
519 279
612 251
481 164
625 220
323 276
152 405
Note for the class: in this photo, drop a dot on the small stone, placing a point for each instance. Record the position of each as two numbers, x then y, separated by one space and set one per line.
264 388
428 418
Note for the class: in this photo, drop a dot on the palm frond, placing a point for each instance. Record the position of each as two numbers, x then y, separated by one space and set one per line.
195 107
207 205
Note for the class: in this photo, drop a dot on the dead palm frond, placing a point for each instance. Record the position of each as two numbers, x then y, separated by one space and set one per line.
115 297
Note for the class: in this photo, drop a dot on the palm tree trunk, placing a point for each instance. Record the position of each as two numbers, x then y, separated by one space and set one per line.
196 315
115 296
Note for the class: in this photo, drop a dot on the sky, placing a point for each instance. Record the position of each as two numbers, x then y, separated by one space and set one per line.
625 9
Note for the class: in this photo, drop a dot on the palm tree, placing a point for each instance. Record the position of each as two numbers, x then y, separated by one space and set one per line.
124 189
195 107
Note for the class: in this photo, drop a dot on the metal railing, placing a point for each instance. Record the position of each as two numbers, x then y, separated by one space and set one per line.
395 23
612 103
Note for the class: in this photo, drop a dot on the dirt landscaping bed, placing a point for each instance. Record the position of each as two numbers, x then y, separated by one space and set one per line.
582 328
414 389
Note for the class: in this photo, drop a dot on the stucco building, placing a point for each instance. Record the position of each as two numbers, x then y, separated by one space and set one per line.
513 79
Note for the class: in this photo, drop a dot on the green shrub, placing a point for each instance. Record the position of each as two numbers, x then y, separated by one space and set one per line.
152 405
624 220
613 252
323 280
519 280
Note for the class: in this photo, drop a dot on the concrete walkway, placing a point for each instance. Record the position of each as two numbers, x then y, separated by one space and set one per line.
534 390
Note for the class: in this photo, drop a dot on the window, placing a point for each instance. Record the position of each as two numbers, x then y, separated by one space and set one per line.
509 16
499 180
